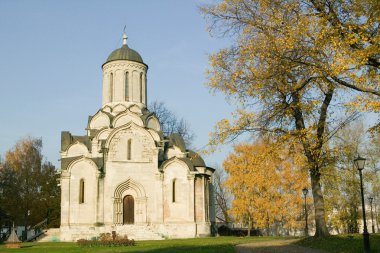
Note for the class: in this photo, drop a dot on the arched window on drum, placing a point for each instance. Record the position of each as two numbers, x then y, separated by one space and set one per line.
111 88
141 87
126 86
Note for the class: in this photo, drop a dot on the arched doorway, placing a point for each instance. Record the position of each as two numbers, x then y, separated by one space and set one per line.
120 203
128 210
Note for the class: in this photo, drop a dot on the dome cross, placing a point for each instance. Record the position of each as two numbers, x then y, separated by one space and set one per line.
125 37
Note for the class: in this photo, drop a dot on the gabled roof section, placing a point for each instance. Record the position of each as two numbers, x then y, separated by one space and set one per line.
67 139
187 161
96 116
196 159
146 115
65 162
177 140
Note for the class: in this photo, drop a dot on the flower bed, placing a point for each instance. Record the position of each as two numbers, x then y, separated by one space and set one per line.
106 239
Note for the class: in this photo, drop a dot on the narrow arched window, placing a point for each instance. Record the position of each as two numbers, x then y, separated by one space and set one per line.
126 86
173 191
111 87
81 191
129 149
145 93
141 87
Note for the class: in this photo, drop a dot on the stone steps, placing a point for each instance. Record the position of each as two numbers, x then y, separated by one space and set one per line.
138 232
51 235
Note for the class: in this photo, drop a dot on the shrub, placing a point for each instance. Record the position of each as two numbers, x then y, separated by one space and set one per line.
226 231
106 239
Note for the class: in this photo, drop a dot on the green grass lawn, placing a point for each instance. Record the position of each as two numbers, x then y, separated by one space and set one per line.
196 245
342 243
333 244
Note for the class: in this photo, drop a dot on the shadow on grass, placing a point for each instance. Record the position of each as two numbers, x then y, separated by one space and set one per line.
191 249
72 248
26 246
277 249
352 243
283 245
195 245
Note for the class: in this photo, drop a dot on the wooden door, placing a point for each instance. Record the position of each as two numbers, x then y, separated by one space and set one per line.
128 210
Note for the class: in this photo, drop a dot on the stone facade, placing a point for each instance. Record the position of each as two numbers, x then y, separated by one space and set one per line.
124 175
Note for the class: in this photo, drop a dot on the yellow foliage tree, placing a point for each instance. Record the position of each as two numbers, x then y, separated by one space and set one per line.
295 67
266 183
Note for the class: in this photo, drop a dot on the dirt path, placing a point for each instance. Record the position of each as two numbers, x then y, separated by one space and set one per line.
276 246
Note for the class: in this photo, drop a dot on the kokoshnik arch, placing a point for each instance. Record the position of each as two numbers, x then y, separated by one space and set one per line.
124 175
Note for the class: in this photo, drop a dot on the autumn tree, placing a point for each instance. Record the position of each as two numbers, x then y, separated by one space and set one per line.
29 186
266 183
170 123
294 69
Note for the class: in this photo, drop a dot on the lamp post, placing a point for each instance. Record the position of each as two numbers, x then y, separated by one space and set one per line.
359 164
305 191
373 225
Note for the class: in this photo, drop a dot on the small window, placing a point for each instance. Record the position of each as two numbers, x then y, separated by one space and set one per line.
81 191
129 149
141 87
111 87
126 86
173 191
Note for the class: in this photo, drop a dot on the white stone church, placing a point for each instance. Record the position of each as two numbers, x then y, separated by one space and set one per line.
125 175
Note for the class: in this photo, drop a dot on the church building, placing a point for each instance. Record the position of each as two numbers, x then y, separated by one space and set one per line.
125 175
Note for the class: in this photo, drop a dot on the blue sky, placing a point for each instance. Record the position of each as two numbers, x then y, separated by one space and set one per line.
51 56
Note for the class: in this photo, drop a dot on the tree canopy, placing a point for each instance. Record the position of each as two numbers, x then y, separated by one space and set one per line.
267 182
28 183
298 71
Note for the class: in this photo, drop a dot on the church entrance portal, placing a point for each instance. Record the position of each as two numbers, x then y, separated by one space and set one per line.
128 210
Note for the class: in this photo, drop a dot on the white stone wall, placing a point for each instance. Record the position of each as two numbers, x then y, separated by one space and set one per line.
83 213
181 209
137 90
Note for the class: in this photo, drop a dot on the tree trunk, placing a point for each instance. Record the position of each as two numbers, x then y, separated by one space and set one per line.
320 223
313 157
249 226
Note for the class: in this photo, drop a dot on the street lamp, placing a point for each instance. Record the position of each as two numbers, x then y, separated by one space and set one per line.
359 164
373 225
305 191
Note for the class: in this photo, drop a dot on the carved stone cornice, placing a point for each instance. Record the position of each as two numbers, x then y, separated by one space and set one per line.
124 65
